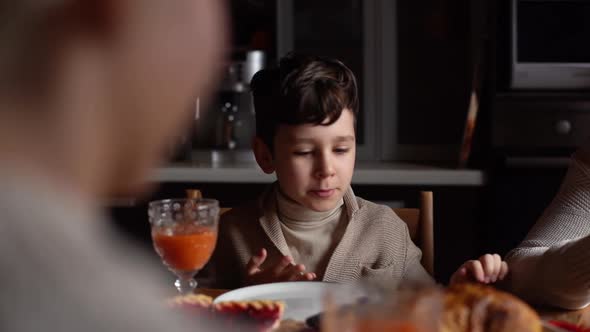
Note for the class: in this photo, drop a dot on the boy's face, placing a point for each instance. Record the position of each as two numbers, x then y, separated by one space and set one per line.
314 163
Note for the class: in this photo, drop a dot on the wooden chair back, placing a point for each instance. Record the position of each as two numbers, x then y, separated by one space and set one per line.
420 222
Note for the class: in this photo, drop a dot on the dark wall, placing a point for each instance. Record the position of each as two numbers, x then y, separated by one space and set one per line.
516 198
469 221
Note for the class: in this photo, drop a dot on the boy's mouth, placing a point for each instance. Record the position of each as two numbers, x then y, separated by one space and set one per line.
323 193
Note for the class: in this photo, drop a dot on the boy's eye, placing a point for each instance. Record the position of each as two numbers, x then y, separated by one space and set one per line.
302 153
341 150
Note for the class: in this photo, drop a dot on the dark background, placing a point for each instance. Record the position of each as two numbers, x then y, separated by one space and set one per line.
441 42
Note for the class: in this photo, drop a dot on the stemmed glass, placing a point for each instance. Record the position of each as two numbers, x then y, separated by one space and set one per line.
184 233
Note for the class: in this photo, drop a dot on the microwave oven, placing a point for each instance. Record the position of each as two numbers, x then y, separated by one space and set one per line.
550 42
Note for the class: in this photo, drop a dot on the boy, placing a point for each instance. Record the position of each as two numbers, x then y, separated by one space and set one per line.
309 225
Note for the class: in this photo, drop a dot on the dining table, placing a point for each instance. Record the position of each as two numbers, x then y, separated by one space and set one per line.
579 317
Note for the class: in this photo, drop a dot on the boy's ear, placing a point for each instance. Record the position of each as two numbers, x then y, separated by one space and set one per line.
263 155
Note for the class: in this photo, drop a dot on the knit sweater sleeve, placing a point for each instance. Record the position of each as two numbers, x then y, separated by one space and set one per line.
414 272
552 265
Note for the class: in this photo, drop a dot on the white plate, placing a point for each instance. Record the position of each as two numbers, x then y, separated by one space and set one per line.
303 299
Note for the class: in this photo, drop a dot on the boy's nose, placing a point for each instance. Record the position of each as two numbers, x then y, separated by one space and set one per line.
324 167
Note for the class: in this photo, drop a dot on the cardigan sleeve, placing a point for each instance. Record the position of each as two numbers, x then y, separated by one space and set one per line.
557 276
414 272
552 265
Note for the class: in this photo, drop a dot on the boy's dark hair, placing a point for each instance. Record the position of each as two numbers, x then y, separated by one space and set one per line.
300 90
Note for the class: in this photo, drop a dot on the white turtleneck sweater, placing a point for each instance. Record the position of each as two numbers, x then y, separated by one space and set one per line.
311 236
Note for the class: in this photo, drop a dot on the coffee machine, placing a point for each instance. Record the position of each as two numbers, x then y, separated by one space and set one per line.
224 131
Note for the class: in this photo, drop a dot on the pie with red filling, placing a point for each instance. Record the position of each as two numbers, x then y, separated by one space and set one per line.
191 303
265 315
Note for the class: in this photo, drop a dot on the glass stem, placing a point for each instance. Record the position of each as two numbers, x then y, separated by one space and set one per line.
185 283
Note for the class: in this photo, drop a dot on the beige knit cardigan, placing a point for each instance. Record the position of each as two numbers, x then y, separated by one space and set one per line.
376 244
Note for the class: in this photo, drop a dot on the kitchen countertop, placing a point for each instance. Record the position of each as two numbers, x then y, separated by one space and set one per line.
369 173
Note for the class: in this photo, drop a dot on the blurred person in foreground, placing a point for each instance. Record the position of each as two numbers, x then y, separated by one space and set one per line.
92 92
552 265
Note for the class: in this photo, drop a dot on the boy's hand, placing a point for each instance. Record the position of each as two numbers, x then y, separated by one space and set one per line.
285 270
487 269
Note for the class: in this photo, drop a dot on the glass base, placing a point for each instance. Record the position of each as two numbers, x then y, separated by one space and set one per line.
185 283
185 286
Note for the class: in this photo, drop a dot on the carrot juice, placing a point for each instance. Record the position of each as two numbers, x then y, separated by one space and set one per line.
188 250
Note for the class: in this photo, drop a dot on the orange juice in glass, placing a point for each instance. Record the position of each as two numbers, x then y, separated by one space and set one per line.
184 233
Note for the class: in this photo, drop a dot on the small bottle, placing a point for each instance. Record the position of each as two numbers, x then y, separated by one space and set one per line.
229 122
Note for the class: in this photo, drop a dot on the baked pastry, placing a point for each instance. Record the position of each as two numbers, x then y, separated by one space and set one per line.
191 303
265 315
478 308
